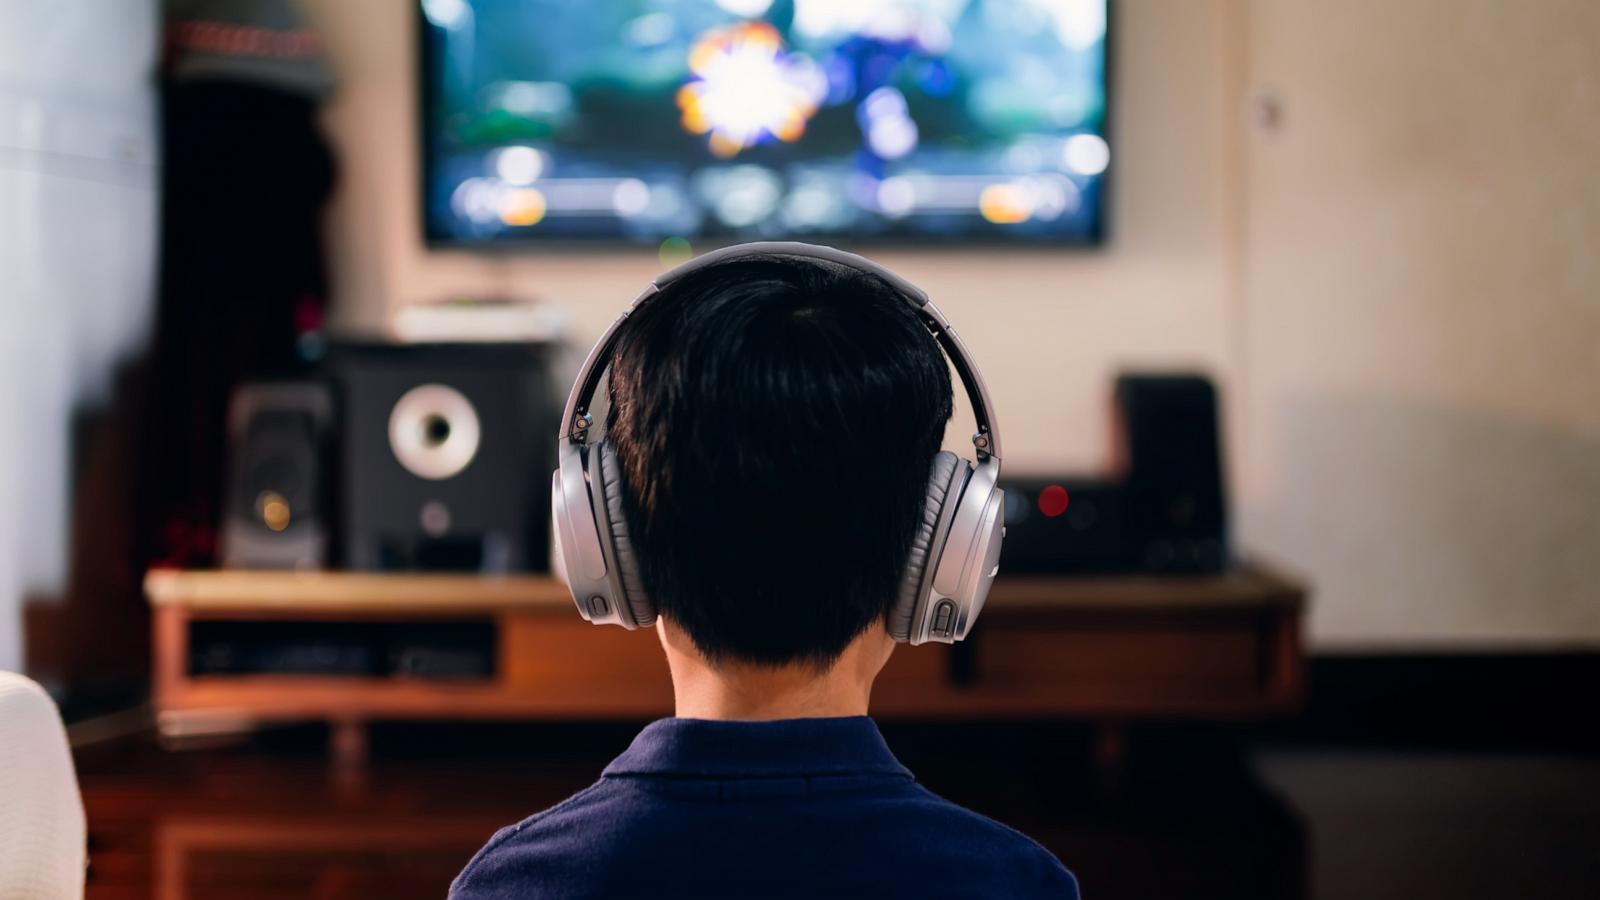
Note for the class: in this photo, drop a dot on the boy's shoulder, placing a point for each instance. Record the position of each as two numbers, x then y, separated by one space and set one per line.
541 837
989 841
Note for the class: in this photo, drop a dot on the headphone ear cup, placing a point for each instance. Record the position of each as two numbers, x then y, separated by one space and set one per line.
945 482
614 531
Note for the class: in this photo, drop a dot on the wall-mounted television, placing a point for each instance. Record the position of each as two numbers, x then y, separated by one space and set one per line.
716 121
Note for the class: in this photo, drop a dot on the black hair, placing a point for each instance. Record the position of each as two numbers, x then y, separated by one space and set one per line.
776 420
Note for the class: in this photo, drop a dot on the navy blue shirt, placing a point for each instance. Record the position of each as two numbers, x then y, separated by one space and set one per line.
795 808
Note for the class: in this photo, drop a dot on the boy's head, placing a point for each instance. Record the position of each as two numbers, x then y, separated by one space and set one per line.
775 419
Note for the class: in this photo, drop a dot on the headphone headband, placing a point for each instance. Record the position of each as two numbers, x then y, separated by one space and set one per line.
575 419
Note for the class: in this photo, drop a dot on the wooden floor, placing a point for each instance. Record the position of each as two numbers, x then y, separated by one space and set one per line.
1188 817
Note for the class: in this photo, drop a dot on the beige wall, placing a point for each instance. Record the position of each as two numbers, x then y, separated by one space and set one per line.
1423 314
1396 288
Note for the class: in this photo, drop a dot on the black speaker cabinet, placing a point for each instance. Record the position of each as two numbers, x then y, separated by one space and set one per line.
1176 504
447 452
1065 525
275 513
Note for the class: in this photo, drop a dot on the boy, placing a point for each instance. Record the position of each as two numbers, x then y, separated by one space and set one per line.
774 419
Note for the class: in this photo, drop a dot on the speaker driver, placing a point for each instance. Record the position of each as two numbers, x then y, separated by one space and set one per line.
434 432
275 514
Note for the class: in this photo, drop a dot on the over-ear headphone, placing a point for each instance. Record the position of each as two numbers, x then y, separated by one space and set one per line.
954 555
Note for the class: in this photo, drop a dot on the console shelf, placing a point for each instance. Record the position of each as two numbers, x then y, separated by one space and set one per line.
1105 649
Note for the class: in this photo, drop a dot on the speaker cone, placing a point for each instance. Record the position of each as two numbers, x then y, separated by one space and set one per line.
434 432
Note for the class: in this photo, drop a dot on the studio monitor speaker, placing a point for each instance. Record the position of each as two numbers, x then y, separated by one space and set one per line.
275 513
446 456
1176 506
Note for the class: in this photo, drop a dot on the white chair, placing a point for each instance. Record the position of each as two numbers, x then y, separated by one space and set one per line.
42 831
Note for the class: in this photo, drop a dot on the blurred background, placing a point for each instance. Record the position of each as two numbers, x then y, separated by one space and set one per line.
1288 310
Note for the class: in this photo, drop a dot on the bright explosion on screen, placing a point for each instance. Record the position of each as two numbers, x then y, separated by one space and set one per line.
748 119
746 89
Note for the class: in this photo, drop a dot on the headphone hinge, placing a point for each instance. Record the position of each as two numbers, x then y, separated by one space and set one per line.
580 428
980 442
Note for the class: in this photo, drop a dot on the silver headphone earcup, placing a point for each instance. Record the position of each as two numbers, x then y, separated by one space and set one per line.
945 480
629 587
967 563
584 564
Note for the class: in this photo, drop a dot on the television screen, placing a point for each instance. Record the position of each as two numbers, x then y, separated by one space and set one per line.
731 120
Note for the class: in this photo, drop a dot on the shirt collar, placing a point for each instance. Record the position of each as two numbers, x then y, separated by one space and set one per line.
782 748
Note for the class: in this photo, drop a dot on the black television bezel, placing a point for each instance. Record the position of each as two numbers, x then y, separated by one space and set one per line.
1097 239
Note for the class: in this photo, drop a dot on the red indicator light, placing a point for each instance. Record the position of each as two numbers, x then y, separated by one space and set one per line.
1053 501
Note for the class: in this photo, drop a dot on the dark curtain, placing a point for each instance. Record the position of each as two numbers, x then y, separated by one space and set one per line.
246 177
